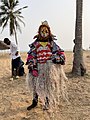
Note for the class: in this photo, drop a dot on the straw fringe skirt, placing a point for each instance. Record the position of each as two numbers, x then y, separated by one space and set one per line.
51 83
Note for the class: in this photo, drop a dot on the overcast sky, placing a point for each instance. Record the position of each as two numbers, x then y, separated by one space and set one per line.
60 15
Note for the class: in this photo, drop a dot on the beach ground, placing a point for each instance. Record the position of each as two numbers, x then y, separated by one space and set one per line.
15 97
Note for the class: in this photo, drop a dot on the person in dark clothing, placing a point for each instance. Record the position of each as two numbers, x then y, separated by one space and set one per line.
15 58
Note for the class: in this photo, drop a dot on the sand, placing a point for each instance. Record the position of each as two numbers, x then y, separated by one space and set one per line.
15 97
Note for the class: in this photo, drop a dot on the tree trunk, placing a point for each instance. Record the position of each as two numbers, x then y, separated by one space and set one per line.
16 37
78 64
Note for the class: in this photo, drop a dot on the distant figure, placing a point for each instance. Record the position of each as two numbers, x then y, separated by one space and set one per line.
44 61
16 62
74 46
83 69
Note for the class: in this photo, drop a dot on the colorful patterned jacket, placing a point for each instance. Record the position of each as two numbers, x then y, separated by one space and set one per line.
40 54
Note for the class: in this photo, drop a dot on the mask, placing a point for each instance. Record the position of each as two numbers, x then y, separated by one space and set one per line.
44 32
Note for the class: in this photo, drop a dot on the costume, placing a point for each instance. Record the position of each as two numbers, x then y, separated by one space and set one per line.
44 60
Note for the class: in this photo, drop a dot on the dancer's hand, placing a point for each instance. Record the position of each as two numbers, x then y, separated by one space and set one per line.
30 65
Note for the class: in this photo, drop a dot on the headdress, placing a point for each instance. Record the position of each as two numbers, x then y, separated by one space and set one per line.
45 24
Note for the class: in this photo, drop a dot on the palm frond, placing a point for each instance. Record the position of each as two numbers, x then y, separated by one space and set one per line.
21 8
5 24
11 4
18 26
2 14
2 20
16 3
18 17
3 8
17 12
5 3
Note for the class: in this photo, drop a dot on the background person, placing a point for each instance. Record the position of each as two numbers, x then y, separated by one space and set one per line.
15 57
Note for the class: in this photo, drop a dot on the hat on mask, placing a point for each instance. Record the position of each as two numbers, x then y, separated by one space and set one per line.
45 23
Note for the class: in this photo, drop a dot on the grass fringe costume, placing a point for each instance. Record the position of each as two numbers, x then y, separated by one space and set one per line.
46 78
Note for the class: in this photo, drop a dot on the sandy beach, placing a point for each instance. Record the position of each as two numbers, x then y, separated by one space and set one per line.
15 97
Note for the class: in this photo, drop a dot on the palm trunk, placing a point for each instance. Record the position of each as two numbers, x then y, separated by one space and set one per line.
16 37
78 63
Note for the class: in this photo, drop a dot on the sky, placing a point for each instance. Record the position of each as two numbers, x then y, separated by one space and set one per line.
60 14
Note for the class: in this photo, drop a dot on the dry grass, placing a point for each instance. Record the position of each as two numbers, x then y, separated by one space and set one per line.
14 96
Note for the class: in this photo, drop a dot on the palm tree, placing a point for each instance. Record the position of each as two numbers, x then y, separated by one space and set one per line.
9 14
78 64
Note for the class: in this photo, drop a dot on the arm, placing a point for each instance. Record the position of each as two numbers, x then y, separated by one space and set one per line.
32 59
58 56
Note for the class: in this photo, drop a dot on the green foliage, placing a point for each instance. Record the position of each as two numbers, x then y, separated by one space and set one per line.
9 15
